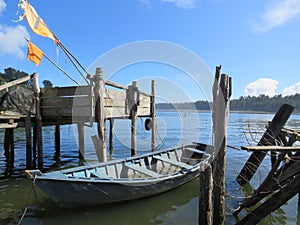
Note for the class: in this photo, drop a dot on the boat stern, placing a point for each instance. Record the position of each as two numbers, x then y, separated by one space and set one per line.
31 174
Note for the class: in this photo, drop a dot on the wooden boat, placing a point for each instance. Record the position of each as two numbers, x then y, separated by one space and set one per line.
121 180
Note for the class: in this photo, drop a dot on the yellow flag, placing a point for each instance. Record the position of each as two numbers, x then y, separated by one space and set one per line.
34 54
36 23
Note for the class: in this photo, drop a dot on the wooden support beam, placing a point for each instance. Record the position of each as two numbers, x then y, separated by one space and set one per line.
133 101
254 161
100 112
9 146
15 82
81 150
28 142
153 116
57 140
39 125
111 135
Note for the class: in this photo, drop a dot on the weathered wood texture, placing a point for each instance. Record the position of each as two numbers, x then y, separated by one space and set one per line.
205 195
222 93
268 138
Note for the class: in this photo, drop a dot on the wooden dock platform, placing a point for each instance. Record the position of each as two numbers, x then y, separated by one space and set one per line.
98 102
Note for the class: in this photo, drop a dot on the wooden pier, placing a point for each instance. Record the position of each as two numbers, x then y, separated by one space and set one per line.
98 102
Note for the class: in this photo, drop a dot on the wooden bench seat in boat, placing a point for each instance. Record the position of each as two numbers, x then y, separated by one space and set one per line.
173 162
142 170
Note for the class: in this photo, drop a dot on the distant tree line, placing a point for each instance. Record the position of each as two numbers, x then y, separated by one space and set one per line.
262 103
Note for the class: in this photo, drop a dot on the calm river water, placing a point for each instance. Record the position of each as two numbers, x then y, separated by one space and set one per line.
179 206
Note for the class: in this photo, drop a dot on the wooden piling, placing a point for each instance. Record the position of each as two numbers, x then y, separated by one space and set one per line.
111 135
205 195
57 140
28 142
221 98
100 112
153 116
268 138
39 125
9 146
81 150
133 99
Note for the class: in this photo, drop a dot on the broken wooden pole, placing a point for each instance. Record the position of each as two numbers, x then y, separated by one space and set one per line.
205 195
153 116
28 142
221 97
254 161
100 112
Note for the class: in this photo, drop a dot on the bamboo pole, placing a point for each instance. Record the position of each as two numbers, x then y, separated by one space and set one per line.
153 116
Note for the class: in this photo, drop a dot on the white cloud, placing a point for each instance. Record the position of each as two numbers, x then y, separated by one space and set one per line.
2 6
278 14
261 86
187 4
291 90
12 40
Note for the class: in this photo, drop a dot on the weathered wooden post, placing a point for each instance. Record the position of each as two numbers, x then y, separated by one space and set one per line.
221 98
100 141
81 150
153 116
9 146
205 195
57 141
111 135
39 128
133 101
28 141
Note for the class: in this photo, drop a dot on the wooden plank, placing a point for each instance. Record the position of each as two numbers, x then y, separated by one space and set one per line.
254 161
8 125
142 170
114 102
114 94
66 101
172 162
271 148
15 82
65 91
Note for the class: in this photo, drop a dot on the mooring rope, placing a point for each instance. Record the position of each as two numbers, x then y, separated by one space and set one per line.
27 201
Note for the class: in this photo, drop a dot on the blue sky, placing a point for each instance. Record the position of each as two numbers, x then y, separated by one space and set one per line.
256 42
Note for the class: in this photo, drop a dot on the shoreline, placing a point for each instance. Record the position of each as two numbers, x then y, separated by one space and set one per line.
231 111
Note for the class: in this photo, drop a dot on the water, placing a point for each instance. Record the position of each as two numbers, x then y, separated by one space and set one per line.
179 206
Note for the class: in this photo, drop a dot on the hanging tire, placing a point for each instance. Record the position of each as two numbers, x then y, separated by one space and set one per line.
148 124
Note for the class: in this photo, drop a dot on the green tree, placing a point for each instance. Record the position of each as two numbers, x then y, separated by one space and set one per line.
47 84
